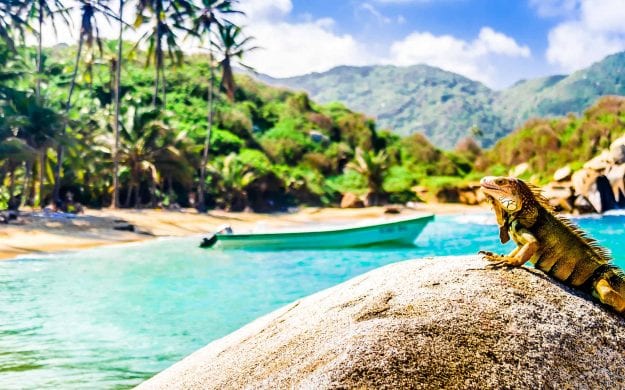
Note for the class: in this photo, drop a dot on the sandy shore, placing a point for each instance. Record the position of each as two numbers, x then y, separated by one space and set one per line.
39 233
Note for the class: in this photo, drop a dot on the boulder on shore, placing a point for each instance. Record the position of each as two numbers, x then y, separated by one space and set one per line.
429 323
351 201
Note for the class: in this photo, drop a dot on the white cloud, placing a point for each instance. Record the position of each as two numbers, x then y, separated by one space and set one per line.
594 31
375 13
603 15
471 59
491 41
550 8
293 49
263 9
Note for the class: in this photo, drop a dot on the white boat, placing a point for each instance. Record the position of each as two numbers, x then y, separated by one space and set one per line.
398 231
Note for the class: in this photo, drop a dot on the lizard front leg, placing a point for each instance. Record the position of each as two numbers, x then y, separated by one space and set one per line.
528 245
610 289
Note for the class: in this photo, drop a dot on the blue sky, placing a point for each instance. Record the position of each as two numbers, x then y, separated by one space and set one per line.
494 41
497 42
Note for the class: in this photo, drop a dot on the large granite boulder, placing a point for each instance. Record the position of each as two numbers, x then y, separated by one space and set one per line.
434 323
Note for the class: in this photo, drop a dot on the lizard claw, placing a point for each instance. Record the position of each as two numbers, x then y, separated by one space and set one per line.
498 264
496 261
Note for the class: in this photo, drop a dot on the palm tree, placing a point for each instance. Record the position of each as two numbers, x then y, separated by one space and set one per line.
232 177
150 148
211 13
40 126
41 10
373 168
89 34
168 16
232 45
11 22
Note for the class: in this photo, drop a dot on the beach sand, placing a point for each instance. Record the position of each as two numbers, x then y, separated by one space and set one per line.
38 233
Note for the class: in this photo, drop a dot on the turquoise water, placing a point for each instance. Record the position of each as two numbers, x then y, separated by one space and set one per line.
112 317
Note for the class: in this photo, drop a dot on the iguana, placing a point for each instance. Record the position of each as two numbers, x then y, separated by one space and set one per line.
550 242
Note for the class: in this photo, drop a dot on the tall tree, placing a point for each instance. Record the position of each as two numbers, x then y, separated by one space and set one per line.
149 147
39 125
232 179
118 74
42 10
210 14
232 46
89 33
166 16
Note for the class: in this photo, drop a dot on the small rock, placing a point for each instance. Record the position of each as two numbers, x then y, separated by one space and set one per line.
392 210
617 150
559 195
600 162
519 170
583 179
563 173
351 201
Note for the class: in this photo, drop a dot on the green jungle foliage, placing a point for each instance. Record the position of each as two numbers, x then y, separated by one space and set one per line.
549 144
270 148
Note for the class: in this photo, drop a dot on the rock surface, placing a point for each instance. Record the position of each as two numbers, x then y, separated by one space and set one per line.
351 201
433 323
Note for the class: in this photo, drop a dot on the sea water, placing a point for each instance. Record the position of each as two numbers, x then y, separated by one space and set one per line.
112 317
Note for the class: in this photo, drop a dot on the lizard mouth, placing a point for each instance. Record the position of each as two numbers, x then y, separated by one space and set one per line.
488 186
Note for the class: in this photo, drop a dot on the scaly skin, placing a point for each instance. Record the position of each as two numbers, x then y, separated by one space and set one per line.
551 243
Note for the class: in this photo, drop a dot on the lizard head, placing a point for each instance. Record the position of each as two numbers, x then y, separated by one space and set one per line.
504 195
503 192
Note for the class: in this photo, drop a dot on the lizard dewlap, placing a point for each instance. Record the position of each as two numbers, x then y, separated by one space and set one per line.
552 243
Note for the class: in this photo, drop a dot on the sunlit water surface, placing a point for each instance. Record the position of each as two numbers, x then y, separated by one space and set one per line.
112 317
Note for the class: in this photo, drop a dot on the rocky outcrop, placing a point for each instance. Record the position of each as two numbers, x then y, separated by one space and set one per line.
434 323
597 187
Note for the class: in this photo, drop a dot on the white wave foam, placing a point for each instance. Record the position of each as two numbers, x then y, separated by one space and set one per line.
476 219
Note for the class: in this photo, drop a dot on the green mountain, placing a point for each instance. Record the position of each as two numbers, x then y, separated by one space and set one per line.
440 104
444 105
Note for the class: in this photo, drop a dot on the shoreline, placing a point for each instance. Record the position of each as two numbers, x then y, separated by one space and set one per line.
42 234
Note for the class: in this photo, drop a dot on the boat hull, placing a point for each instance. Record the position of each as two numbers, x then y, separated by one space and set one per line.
398 232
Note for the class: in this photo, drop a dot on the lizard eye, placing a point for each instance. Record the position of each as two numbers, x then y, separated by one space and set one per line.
499 181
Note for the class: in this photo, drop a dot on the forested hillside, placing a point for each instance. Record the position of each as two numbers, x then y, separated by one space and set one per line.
447 107
269 149
551 143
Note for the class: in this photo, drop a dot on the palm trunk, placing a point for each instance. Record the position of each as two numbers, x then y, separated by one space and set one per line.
137 197
170 188
228 78
42 165
27 183
164 85
153 199
115 200
39 51
12 181
59 150
201 206
155 86
128 196
158 52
